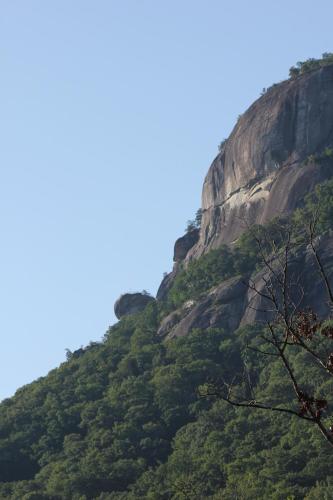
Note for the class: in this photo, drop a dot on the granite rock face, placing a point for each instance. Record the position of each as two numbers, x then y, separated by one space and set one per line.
166 283
260 171
307 285
131 303
222 307
171 320
235 303
181 249
265 169
184 244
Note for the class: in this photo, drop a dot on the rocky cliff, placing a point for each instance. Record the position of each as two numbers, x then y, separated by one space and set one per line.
131 303
266 166
264 169
123 418
238 300
260 170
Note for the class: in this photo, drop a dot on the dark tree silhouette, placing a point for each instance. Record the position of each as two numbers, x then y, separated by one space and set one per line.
287 329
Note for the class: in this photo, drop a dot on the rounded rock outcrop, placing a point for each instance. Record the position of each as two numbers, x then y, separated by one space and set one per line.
184 244
266 167
131 303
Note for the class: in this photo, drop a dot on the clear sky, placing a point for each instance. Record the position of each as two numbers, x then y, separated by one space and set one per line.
110 114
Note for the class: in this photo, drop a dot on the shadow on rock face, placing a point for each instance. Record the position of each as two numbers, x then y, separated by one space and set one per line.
234 303
262 171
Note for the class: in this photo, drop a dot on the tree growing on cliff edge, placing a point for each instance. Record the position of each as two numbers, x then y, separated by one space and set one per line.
310 64
194 223
290 334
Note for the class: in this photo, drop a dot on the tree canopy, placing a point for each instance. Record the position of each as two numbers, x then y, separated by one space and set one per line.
125 418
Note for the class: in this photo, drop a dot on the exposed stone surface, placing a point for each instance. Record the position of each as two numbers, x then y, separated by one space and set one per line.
174 317
131 303
167 283
260 172
222 307
309 293
234 303
184 244
181 249
169 322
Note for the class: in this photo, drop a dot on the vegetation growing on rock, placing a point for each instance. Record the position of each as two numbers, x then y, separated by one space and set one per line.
311 64
127 418
222 263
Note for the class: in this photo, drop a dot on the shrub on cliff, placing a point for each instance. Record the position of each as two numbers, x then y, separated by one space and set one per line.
311 64
194 223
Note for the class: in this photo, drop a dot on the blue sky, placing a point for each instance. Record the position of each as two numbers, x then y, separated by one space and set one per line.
111 112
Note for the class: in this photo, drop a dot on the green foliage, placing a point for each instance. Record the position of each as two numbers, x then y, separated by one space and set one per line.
104 419
222 145
198 217
311 64
223 263
318 204
201 275
195 223
218 265
324 157
123 419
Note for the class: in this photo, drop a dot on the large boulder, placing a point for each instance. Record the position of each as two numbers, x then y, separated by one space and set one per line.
184 244
131 303
181 249
262 170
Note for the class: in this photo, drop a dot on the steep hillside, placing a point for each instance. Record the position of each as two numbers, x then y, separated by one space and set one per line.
259 172
245 318
267 165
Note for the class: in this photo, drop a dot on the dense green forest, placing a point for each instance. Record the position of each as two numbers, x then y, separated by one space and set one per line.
126 418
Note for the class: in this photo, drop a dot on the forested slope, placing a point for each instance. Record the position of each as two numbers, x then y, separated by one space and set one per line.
208 392
125 418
